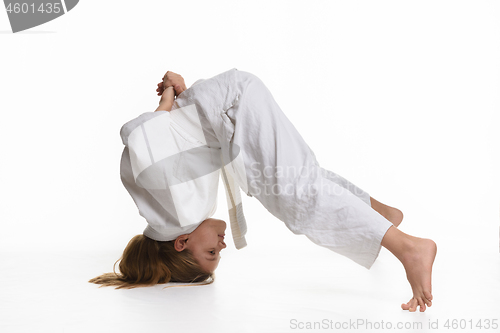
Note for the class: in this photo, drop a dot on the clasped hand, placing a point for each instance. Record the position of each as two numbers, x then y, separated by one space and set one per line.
171 79
172 85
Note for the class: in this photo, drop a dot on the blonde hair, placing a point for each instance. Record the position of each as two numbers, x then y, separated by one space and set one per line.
146 262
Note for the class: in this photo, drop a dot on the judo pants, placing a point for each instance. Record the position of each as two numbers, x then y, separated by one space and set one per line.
283 174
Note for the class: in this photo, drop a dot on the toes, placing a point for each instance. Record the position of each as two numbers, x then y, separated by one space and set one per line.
427 301
428 295
413 305
421 304
405 306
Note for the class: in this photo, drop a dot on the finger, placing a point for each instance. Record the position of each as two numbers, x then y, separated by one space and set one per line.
179 88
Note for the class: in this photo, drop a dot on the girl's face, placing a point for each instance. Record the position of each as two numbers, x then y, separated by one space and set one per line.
206 242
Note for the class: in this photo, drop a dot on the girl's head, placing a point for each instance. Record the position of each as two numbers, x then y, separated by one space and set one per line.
189 258
204 243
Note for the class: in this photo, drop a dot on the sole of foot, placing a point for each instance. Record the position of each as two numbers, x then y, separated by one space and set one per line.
418 265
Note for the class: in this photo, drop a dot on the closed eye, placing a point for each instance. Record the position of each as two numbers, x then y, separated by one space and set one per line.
213 256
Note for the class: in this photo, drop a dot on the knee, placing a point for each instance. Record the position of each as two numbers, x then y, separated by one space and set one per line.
247 79
247 76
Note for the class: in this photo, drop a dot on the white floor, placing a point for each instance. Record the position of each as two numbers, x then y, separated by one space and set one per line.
261 288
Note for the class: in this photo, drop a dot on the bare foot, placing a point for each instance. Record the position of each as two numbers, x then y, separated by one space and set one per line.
418 265
394 215
417 256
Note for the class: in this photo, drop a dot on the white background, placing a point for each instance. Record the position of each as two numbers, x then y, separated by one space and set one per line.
400 97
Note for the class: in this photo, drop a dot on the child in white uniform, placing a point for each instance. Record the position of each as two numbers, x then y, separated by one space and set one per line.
234 115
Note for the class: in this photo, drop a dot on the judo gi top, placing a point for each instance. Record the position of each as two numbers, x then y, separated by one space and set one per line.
231 126
172 162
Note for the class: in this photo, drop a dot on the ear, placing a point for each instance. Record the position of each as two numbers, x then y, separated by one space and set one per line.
180 243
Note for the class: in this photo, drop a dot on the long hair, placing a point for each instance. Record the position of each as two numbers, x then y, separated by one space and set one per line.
146 262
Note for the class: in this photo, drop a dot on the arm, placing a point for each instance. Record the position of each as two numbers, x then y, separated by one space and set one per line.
167 99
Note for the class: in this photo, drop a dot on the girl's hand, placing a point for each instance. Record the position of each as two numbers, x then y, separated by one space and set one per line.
160 89
174 80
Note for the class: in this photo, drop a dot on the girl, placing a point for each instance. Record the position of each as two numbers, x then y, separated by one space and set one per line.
231 126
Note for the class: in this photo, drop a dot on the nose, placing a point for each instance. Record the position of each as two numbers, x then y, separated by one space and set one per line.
223 245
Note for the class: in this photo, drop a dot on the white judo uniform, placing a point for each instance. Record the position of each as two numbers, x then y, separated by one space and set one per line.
231 126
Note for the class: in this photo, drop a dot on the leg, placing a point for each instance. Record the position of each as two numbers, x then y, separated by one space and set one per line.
320 208
341 181
392 214
417 256
283 174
